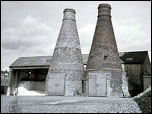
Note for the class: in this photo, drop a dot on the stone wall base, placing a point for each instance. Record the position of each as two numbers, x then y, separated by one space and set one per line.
112 87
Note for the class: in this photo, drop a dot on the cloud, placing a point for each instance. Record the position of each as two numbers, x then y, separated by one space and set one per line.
86 35
29 33
131 33
30 37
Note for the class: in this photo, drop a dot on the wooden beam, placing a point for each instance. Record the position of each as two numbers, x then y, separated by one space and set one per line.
18 76
28 75
46 67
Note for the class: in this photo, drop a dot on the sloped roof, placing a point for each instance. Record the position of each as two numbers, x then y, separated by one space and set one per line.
32 61
133 57
41 61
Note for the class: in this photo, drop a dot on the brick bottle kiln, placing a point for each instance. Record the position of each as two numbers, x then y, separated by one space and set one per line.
104 71
66 70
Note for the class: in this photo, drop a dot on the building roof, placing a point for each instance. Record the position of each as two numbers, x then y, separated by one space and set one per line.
44 61
133 57
37 61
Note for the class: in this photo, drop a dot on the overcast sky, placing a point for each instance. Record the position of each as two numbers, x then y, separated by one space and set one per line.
31 28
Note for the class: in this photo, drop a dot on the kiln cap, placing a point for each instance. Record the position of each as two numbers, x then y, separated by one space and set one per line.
69 10
104 10
69 14
104 5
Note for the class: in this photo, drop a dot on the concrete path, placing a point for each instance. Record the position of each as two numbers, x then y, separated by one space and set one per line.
61 104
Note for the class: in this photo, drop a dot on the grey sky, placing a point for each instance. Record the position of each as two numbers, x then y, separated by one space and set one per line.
31 28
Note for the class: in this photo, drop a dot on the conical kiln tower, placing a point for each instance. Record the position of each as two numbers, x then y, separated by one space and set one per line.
66 70
104 71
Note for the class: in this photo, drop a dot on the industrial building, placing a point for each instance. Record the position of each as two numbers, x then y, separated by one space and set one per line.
30 72
68 72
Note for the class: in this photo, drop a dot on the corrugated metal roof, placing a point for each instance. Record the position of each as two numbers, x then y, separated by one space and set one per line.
44 61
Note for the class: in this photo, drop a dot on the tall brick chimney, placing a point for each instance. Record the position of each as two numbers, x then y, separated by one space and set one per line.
66 70
104 71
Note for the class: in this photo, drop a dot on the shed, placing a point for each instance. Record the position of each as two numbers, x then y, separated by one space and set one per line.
138 68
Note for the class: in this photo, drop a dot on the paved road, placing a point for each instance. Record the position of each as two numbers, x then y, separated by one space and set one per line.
58 104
